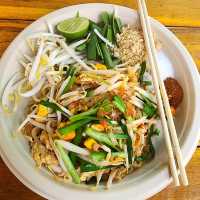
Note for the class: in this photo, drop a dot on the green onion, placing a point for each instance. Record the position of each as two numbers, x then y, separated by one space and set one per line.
99 51
116 61
69 85
119 103
83 115
74 126
118 154
89 93
120 136
107 56
104 17
106 105
147 83
142 71
89 167
129 142
119 24
114 26
68 164
53 106
98 156
147 100
141 75
72 72
112 122
104 31
100 137
94 25
149 107
149 110
81 47
91 47
77 140
74 158
111 26
109 34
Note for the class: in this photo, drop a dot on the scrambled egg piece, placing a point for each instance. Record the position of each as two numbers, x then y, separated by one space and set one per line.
100 66
43 60
89 143
42 111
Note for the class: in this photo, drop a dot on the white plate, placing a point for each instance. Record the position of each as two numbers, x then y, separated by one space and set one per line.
174 61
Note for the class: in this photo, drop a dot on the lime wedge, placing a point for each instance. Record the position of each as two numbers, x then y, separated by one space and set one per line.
73 28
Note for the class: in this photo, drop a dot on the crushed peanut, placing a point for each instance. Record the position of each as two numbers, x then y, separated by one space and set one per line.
131 48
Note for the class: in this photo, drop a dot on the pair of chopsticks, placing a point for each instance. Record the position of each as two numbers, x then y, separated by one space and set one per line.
170 135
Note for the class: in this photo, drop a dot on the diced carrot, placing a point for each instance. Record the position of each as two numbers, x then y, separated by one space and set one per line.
98 127
104 123
69 136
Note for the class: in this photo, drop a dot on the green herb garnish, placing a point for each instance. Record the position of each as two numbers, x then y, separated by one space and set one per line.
119 103
76 125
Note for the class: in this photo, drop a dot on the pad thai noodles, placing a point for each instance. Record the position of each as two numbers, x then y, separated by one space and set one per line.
92 110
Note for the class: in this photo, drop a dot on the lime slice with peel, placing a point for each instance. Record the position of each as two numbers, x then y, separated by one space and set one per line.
73 28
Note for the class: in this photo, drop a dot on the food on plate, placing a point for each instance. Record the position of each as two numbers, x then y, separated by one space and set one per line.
92 110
